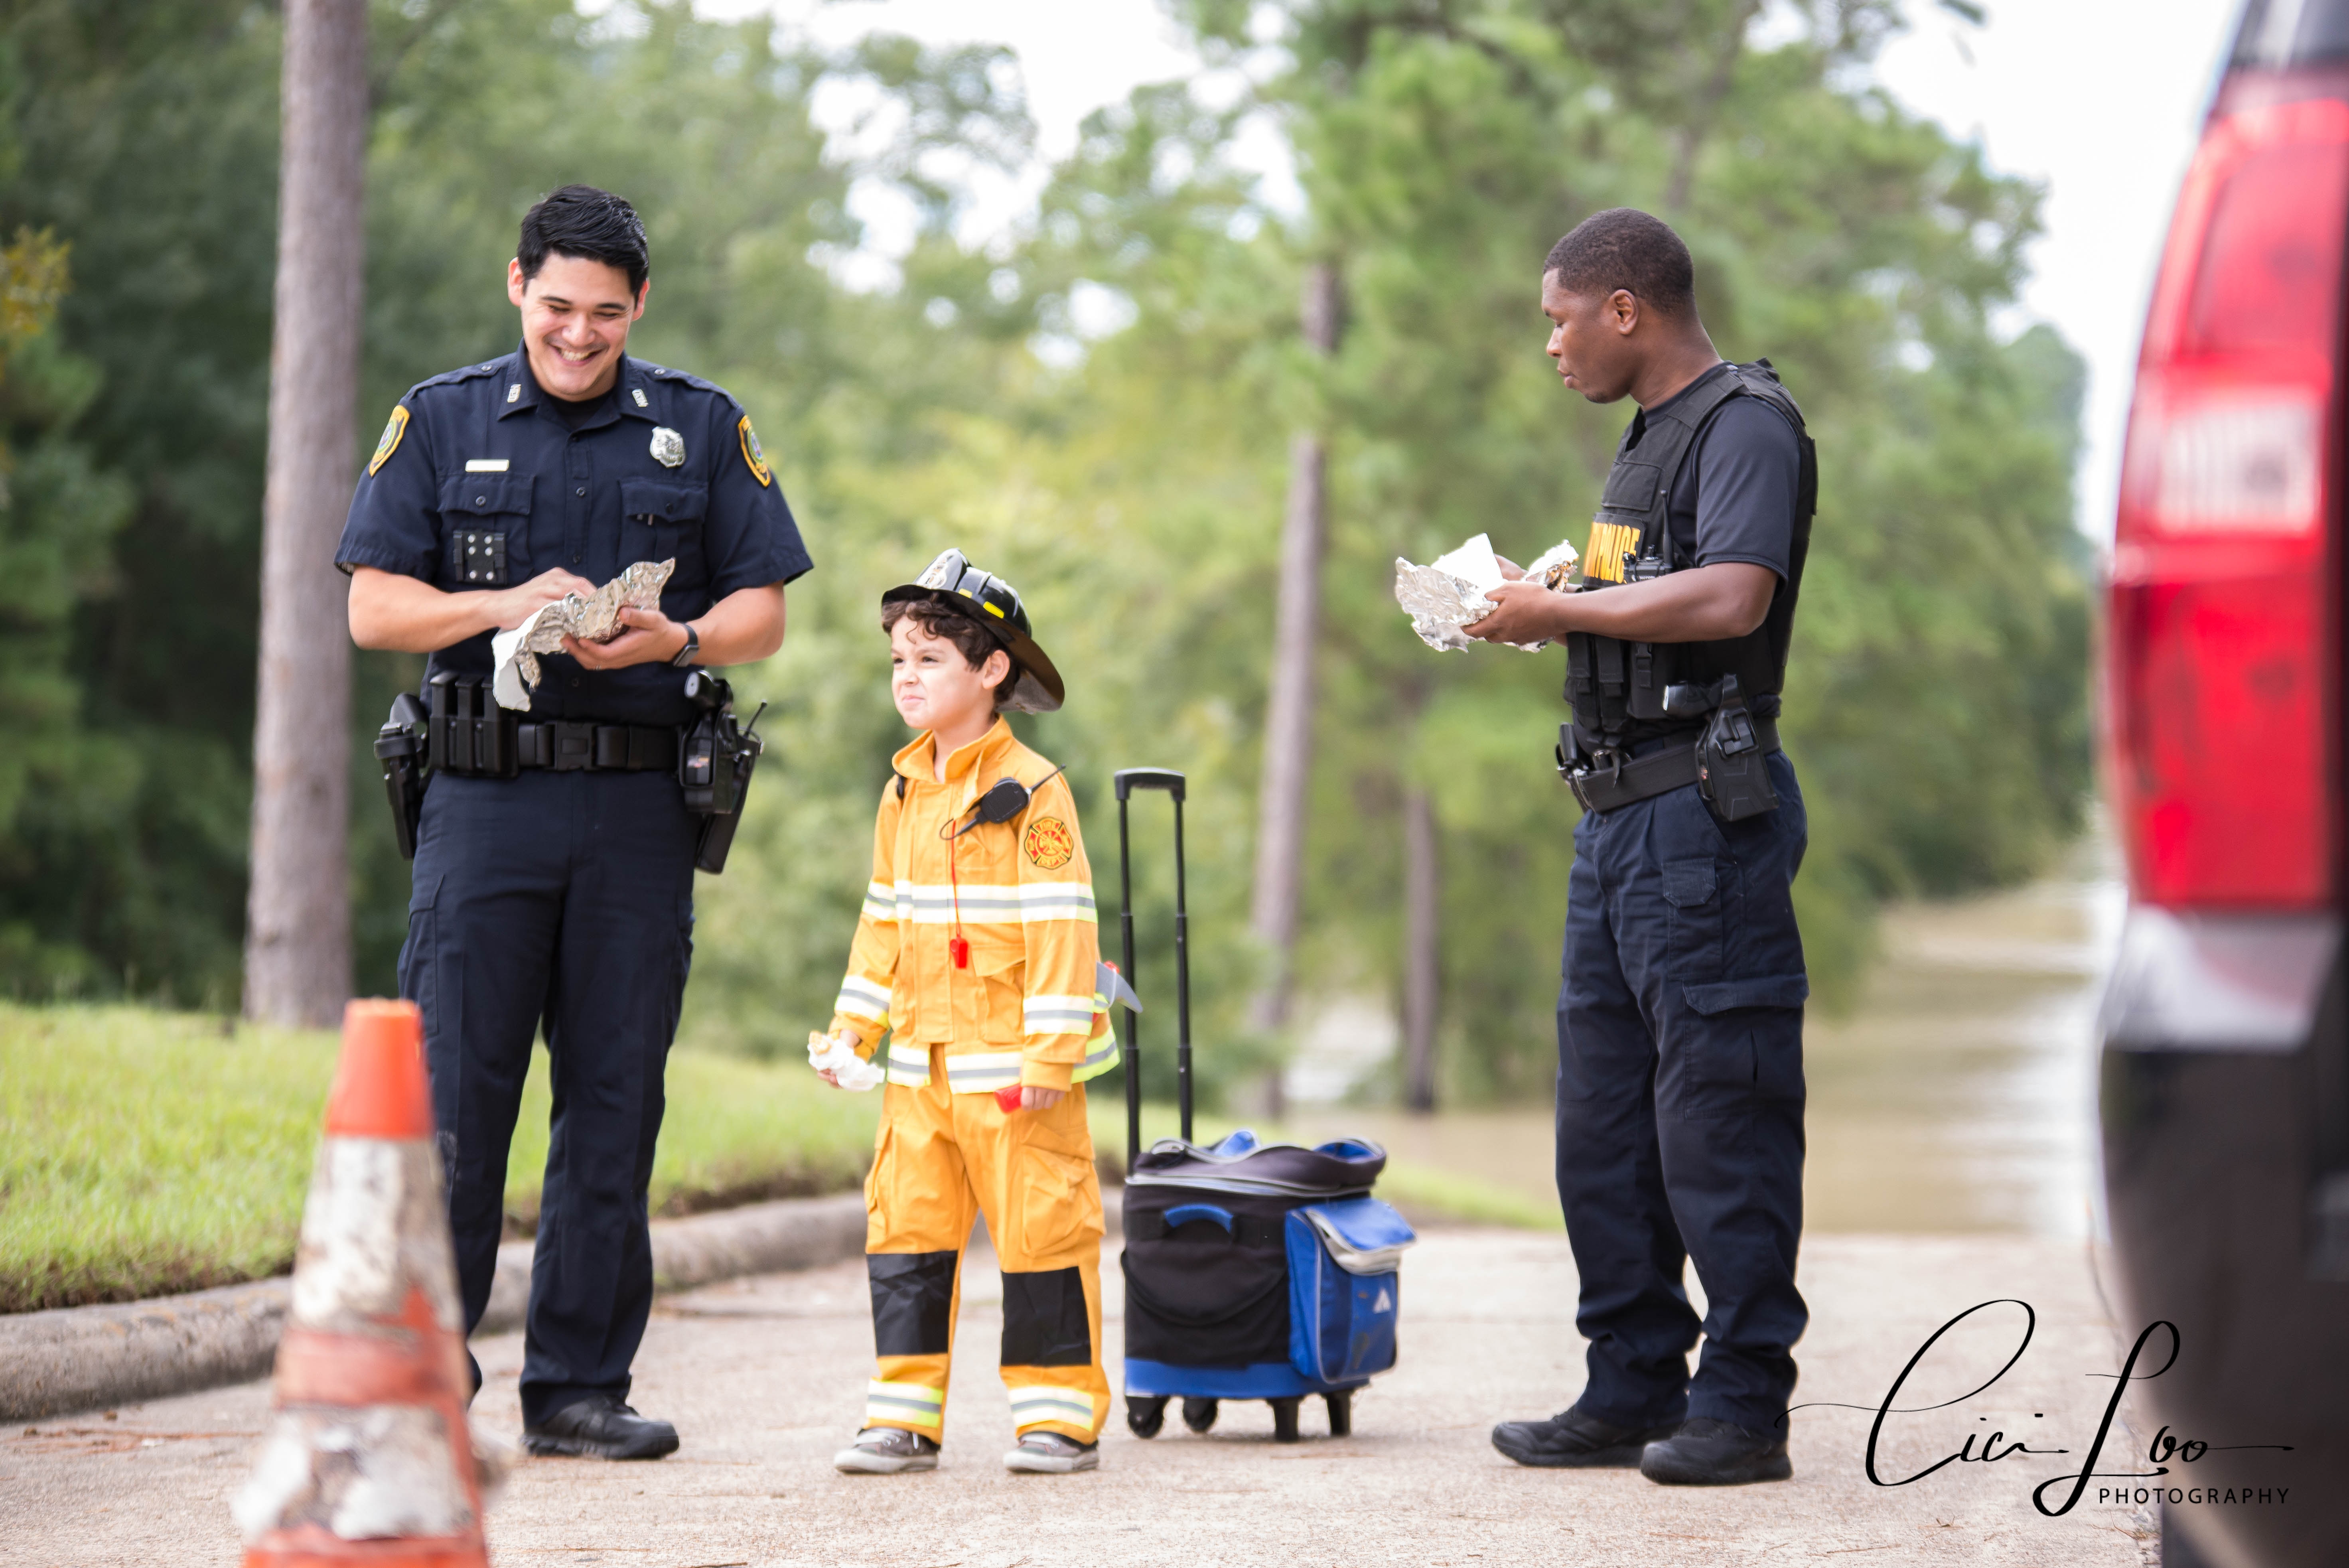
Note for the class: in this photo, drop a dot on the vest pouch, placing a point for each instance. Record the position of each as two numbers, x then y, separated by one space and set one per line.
1654 666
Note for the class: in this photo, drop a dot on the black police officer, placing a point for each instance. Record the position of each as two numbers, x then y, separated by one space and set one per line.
1680 1089
554 888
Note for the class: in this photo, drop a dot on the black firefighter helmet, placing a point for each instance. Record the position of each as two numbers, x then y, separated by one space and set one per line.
994 605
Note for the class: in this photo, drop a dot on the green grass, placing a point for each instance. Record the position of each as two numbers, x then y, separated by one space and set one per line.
143 1153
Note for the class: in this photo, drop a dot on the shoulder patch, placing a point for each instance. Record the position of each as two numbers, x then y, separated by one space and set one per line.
1049 844
752 456
392 432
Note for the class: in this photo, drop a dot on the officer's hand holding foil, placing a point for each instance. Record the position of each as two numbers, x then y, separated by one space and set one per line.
1679 1090
556 848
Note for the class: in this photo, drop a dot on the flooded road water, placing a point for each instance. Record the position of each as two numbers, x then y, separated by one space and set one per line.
1957 1097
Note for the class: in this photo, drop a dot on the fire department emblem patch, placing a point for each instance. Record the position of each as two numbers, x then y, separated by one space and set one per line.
1050 844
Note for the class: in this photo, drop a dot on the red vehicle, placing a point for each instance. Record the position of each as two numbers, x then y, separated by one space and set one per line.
2225 1091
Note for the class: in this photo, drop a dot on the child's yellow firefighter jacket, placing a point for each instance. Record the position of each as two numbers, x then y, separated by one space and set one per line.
1020 892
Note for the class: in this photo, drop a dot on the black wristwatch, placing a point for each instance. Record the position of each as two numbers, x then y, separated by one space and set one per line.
692 646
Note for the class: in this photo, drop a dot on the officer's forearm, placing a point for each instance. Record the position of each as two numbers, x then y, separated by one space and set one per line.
742 628
404 615
1701 605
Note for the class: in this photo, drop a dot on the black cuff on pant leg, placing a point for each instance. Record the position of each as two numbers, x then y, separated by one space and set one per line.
1044 1319
913 1301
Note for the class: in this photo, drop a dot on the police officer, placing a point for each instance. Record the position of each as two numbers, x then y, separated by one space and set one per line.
554 881
1680 1089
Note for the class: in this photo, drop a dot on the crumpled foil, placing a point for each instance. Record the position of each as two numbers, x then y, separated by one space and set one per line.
1448 593
591 618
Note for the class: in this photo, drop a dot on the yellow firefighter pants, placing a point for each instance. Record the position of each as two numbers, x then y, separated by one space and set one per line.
940 1156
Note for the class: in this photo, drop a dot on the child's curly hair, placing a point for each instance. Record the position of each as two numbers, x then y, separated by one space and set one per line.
940 616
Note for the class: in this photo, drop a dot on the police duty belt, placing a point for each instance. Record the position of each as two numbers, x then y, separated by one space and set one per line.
1612 780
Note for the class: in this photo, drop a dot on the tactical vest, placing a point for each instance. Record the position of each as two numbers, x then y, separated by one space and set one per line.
1614 684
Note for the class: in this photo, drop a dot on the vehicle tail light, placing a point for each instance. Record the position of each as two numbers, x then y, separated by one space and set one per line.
2223 648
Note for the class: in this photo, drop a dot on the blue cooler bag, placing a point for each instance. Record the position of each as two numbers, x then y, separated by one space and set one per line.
1343 1287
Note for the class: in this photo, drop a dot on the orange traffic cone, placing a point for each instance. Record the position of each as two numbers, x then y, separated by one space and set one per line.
367 1459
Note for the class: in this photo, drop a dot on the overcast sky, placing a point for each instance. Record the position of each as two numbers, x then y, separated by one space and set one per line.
2099 99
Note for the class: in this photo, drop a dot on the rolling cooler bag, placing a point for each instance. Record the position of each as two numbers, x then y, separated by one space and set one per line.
1252 1271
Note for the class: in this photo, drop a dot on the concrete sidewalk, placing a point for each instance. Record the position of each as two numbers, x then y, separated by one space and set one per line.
765 1378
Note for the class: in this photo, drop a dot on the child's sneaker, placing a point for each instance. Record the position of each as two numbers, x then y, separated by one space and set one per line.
1050 1453
886 1450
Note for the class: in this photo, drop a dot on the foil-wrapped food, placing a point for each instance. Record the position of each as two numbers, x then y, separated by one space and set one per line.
591 617
1448 593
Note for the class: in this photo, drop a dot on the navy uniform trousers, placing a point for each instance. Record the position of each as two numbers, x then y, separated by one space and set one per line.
1679 1105
560 902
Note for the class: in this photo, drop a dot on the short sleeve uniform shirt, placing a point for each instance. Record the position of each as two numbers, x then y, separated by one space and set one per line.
481 482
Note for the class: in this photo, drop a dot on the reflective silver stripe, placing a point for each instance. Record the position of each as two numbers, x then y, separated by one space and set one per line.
904 1402
982 1072
909 1065
880 902
1057 1015
1072 1407
863 998
932 903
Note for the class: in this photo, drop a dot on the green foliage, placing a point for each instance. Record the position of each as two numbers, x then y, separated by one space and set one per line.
1130 485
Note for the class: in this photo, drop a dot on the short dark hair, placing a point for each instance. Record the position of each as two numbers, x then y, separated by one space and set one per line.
592 225
937 614
1624 248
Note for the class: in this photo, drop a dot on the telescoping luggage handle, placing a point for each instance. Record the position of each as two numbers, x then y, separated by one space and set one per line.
1129 780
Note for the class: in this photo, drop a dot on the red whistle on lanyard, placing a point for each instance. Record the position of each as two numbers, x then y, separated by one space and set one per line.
1008 1096
958 949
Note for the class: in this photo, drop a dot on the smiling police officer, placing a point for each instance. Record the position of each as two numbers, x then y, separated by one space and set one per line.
1680 1086
554 858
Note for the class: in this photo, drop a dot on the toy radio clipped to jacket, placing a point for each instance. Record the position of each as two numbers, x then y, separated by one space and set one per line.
467 732
1252 1271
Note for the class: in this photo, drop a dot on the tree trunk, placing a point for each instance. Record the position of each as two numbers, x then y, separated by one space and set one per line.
1288 715
298 946
1422 950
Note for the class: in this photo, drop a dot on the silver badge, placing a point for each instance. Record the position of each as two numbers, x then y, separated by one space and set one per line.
669 446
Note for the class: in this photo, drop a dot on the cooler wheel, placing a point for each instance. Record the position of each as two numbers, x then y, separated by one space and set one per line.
1284 1418
1341 1413
1144 1418
1199 1414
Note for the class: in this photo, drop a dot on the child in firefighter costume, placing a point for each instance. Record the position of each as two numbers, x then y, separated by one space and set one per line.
976 954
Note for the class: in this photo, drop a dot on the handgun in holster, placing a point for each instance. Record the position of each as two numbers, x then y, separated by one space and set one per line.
714 763
400 746
1733 771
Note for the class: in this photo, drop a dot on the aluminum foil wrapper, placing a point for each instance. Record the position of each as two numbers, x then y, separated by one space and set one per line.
1448 593
591 618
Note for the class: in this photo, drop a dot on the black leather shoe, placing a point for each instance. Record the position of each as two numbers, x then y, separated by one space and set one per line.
1572 1440
599 1427
1706 1452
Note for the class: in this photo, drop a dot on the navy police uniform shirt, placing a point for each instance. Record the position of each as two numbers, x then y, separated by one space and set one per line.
480 482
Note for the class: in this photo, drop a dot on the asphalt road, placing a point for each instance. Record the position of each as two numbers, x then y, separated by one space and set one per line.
765 1378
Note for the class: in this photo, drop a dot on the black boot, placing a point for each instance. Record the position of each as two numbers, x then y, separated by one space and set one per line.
1706 1452
1572 1440
600 1426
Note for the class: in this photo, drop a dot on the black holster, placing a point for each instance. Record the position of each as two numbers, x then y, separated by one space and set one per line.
400 746
1732 765
714 763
